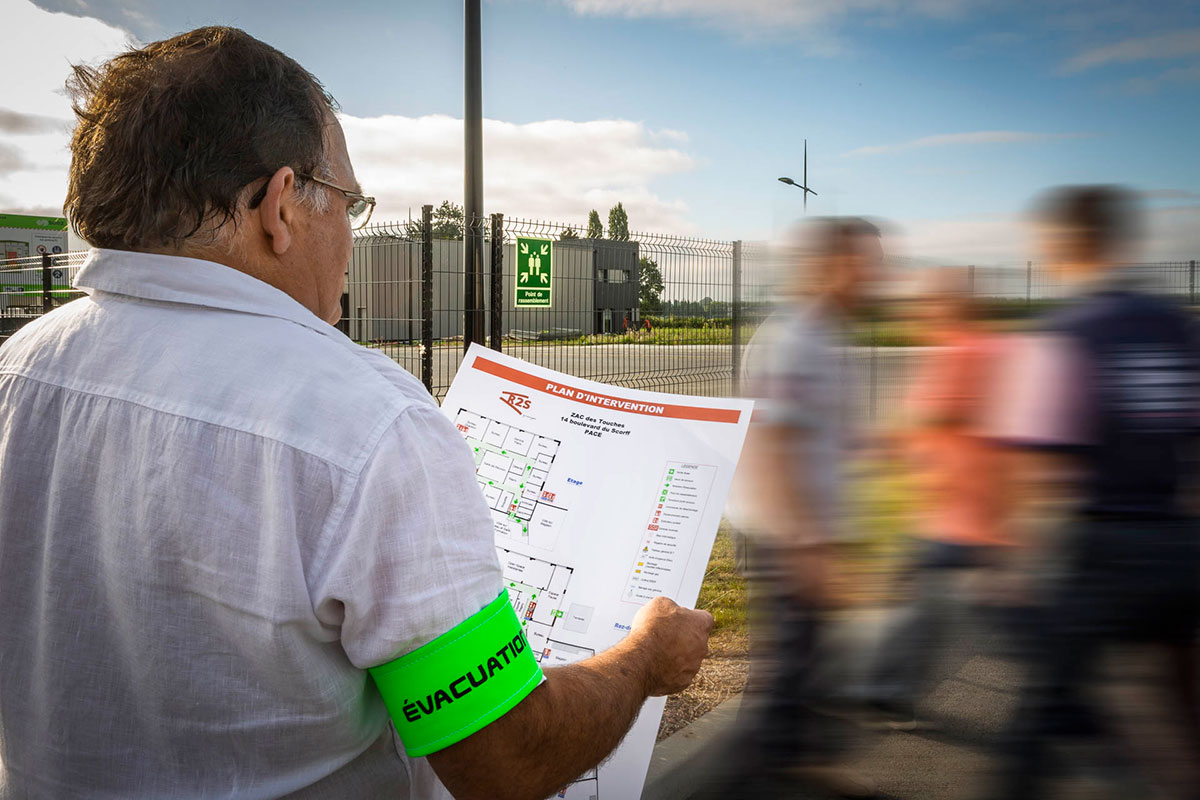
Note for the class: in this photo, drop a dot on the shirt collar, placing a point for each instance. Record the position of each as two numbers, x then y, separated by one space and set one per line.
175 279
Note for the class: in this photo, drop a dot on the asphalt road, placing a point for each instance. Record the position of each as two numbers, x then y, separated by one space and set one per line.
973 695
880 378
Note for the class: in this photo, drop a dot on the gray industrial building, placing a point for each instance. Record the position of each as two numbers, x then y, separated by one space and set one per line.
594 286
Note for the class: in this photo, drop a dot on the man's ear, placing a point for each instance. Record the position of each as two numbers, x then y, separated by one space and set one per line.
277 211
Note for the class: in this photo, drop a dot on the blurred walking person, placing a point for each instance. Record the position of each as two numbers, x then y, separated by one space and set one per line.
1111 385
962 487
788 503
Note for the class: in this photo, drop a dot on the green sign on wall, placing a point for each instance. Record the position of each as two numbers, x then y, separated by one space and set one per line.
533 284
34 223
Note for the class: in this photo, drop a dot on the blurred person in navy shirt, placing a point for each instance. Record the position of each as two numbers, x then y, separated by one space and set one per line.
1109 387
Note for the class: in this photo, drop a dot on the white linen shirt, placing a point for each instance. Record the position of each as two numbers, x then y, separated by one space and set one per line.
216 511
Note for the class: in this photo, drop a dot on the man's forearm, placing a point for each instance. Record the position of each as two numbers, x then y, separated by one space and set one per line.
562 729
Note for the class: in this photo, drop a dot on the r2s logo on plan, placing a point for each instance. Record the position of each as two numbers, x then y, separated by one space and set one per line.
516 401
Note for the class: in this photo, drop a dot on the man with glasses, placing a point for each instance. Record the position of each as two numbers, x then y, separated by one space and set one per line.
359 208
232 542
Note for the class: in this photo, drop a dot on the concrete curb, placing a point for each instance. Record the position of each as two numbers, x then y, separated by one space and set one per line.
682 762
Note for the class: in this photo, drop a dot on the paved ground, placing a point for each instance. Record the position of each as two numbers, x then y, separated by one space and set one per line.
970 705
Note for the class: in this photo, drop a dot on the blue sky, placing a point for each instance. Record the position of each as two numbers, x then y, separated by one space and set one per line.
944 116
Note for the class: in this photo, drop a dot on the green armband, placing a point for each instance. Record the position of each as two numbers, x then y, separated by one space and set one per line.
460 682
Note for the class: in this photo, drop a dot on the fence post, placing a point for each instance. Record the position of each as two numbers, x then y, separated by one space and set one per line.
497 300
344 322
1028 283
47 297
736 322
1192 282
427 297
873 366
473 297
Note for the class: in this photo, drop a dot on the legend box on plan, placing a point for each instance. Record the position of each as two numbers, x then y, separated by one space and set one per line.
673 521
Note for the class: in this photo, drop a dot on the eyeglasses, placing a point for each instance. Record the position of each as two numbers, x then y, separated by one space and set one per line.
359 212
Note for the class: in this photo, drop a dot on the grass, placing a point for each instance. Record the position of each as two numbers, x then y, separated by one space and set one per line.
880 502
723 594
885 333
660 336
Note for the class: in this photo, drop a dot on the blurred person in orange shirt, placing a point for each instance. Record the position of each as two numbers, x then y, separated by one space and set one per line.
962 491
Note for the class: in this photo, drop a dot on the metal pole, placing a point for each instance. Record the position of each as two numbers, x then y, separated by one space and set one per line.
874 376
804 177
47 298
427 297
736 321
1028 283
1192 282
473 317
497 300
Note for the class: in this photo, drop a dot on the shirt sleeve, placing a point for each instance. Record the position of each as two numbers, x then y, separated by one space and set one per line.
413 554
1041 399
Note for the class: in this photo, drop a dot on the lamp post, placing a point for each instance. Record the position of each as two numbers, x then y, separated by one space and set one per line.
473 319
803 185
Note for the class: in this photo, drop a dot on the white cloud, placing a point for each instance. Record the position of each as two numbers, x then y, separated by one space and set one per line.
992 239
1177 44
36 118
1189 74
773 17
15 122
555 169
972 137
1171 233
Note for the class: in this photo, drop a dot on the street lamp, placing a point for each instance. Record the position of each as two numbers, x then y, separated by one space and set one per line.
803 186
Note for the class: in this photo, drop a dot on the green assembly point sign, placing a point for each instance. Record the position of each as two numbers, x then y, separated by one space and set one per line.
534 264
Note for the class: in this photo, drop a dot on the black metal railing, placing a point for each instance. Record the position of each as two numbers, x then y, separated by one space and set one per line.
654 311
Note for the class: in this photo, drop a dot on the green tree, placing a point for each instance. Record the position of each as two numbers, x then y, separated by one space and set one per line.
447 223
595 229
618 223
650 287
568 233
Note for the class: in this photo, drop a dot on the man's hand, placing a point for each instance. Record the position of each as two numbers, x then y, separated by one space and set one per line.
674 640
580 713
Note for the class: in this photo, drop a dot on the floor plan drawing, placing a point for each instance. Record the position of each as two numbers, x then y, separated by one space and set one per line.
512 466
537 590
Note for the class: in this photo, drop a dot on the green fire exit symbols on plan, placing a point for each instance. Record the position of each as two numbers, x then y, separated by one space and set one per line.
533 284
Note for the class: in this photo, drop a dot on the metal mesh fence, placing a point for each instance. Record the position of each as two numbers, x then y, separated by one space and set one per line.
652 311
1029 281
30 287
